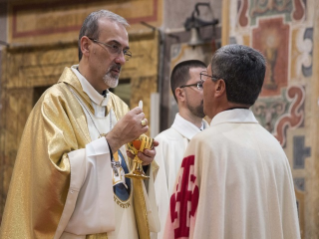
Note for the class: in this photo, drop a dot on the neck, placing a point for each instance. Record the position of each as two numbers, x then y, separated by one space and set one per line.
187 115
227 106
236 105
85 71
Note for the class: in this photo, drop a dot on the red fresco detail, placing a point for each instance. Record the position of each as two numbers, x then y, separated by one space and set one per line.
243 19
299 10
294 118
49 31
272 39
184 201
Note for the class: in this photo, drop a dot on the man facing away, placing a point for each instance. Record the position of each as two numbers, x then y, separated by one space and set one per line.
235 179
188 92
69 176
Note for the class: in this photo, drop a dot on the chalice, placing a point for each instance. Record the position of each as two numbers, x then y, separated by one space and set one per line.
138 145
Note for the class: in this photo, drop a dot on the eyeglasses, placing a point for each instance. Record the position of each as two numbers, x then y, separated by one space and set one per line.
203 75
199 85
114 49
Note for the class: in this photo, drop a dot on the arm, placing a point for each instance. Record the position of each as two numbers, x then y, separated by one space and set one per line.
94 199
41 176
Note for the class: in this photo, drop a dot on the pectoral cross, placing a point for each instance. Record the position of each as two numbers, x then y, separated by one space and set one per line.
115 165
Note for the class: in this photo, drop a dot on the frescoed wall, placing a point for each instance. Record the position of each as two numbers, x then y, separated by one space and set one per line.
42 40
284 32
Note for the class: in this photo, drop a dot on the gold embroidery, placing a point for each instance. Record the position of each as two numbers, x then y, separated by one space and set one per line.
121 204
118 171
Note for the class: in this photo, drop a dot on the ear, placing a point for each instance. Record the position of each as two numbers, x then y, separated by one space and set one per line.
220 88
180 94
85 45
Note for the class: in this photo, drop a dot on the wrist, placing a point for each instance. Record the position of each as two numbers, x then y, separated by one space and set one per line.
113 143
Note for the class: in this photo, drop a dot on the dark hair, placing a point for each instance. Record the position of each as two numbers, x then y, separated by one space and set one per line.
243 70
90 25
180 74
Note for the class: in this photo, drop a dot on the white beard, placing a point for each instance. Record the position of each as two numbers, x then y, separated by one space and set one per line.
110 81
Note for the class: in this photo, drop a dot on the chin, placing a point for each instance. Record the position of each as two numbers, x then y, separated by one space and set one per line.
111 82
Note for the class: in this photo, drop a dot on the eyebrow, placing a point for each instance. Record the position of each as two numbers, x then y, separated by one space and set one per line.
116 42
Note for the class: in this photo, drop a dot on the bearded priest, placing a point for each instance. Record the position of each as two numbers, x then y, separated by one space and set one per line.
69 176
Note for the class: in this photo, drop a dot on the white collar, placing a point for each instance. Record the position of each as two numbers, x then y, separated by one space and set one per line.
234 115
186 128
95 96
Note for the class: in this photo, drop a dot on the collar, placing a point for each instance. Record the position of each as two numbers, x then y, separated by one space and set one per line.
185 128
95 96
69 77
235 116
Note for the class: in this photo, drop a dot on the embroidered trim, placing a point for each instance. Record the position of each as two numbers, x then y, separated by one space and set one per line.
126 204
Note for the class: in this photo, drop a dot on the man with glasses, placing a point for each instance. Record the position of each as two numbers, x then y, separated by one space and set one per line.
187 89
69 177
235 180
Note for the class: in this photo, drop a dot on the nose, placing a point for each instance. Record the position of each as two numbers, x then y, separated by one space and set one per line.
120 58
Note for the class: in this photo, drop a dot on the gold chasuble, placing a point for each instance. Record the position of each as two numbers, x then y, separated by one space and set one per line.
40 181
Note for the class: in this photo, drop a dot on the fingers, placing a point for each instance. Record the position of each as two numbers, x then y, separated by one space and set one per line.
137 110
147 156
129 154
136 114
139 115
155 143
130 127
144 122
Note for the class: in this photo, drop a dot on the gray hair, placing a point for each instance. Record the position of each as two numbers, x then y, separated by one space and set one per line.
90 25
243 70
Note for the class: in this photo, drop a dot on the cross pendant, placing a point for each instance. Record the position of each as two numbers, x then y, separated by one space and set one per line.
115 166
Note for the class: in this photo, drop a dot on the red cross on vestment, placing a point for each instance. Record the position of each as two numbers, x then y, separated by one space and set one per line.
184 200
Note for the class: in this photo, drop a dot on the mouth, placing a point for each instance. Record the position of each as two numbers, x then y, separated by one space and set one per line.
116 70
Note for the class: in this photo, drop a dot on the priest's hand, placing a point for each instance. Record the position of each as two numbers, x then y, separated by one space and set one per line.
147 156
130 127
